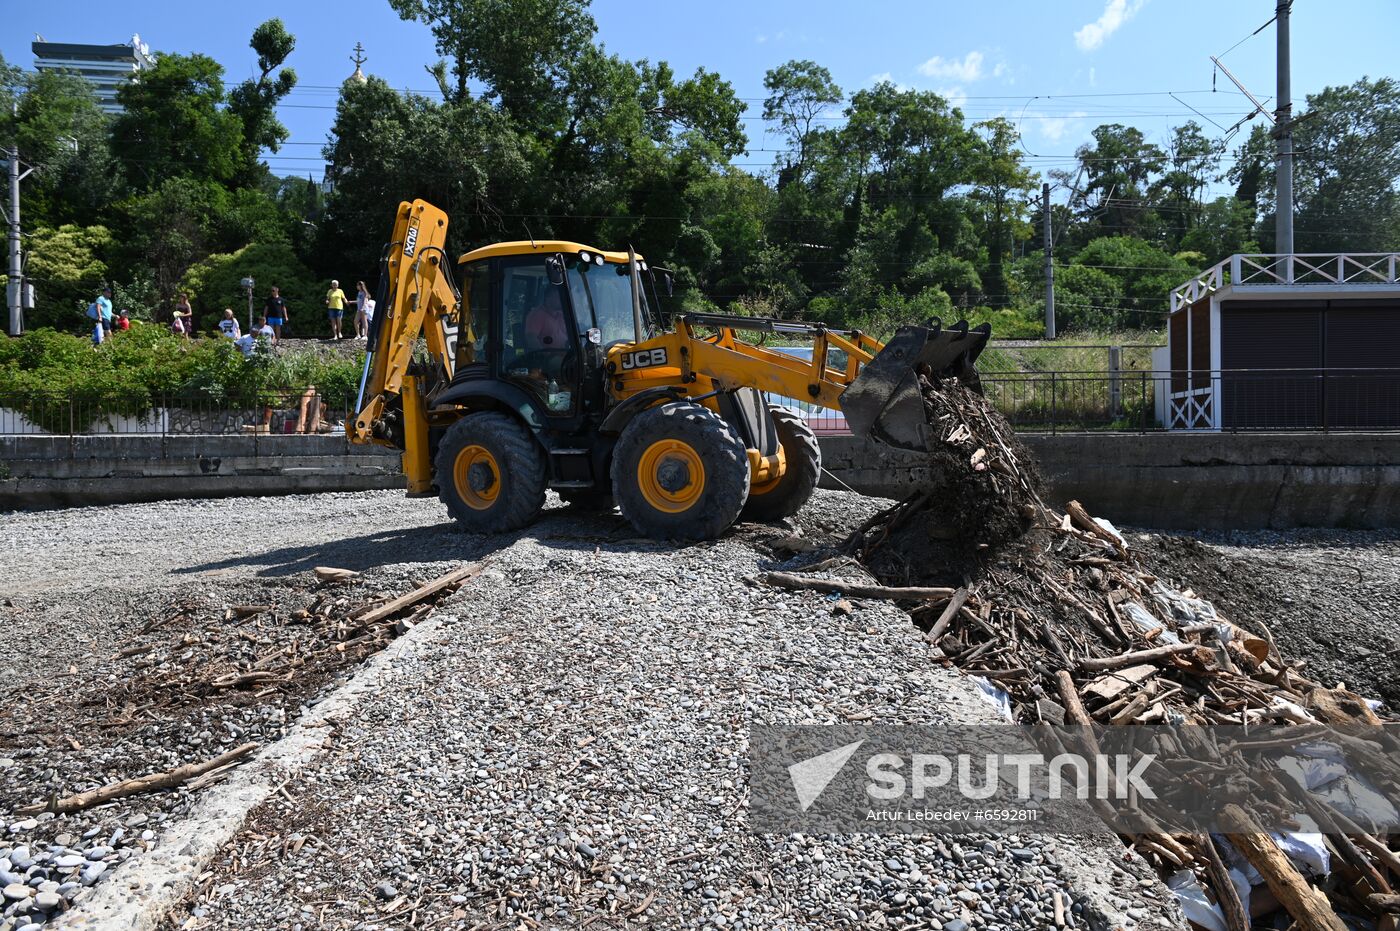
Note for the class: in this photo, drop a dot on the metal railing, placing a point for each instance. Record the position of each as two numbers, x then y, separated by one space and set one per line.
1299 268
274 412
1130 401
1144 401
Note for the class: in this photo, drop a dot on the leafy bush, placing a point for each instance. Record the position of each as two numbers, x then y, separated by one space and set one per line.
213 284
68 266
147 367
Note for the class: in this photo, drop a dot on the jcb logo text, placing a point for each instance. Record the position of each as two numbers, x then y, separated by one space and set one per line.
644 359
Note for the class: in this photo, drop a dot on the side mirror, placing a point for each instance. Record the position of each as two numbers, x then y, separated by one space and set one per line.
555 266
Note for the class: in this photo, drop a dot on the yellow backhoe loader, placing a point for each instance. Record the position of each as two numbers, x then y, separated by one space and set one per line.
552 367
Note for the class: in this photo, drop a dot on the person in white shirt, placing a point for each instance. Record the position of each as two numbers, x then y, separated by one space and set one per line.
229 325
260 336
364 309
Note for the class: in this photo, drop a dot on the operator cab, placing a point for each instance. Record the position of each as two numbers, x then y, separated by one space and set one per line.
541 316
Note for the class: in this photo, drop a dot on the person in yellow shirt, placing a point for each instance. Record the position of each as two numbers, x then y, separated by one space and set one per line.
335 308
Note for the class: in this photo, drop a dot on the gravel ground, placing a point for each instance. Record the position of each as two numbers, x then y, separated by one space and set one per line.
572 751
1330 597
113 620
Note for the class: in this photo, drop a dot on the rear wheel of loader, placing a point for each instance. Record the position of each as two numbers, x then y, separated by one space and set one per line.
784 496
680 473
490 473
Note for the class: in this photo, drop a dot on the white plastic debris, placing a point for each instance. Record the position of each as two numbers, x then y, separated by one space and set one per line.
1111 529
994 696
1146 621
1197 906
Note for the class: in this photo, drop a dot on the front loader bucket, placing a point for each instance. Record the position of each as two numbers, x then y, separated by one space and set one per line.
884 402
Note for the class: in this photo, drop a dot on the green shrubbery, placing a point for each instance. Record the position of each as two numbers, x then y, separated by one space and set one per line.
147 367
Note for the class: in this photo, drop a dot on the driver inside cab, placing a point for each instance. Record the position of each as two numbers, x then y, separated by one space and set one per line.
546 346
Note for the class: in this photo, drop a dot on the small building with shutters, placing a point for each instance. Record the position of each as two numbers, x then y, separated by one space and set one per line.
1284 342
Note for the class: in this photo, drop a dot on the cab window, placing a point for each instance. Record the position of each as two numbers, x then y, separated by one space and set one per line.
609 289
474 332
539 346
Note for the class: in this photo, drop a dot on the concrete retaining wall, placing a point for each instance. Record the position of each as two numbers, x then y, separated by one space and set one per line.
1172 481
1206 481
39 472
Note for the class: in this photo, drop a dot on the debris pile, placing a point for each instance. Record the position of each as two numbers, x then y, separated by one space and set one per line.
1059 611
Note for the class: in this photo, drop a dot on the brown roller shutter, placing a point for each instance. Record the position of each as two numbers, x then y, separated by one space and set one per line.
1362 354
1176 337
1271 358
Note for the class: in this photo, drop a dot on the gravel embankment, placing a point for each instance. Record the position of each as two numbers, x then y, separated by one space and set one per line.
573 750
571 747
1329 597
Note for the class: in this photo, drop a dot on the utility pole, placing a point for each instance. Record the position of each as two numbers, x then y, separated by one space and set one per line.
1049 265
14 286
1283 133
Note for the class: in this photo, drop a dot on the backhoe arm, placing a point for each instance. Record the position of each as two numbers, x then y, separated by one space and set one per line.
415 297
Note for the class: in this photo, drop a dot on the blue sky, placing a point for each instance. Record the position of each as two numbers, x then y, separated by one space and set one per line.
1050 66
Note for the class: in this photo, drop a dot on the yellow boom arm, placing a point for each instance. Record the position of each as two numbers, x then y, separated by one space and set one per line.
416 297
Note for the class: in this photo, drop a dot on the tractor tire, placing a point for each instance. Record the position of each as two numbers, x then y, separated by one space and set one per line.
490 473
785 496
680 473
588 499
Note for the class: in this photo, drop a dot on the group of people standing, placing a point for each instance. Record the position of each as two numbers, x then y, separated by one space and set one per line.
104 322
275 315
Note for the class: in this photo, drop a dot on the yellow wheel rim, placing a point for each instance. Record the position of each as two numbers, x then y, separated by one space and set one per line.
477 477
762 488
671 476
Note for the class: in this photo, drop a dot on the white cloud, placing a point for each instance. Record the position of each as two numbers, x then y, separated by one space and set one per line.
1055 128
1115 14
1001 70
968 69
760 39
956 96
1093 78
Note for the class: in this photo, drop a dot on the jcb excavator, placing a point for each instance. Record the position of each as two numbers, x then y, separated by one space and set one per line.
552 367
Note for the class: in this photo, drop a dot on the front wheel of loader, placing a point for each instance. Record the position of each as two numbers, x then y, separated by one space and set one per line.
784 496
490 473
680 473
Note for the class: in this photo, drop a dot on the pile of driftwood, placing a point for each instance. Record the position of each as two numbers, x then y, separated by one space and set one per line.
345 632
263 649
1060 612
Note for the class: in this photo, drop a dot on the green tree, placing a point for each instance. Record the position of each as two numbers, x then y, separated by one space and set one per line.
1117 169
175 124
68 267
255 101
520 52
799 92
1192 163
1002 189
1225 227
213 284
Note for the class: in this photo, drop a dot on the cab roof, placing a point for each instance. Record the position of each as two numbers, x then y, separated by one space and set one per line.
529 247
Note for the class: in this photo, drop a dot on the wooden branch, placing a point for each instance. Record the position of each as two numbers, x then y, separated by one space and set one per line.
1081 518
1226 895
788 580
1069 697
331 574
1308 907
1140 656
950 611
1383 902
390 608
166 780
